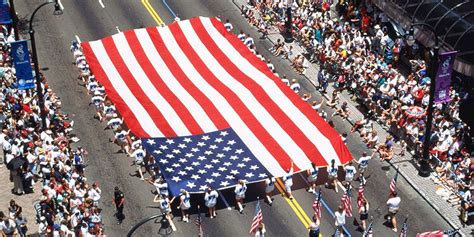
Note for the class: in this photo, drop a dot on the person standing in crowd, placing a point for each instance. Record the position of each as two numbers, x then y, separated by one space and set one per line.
393 205
184 204
288 181
14 209
269 187
364 213
8 227
119 201
21 227
350 171
239 191
210 200
312 177
340 219
332 175
94 194
364 162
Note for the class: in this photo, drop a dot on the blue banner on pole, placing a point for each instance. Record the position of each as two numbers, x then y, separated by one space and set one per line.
5 17
21 61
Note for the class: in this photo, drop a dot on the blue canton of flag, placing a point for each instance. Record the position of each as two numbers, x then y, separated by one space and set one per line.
217 159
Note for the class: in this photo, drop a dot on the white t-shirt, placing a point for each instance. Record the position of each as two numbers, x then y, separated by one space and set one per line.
240 190
394 203
340 218
350 172
364 161
139 155
210 198
269 185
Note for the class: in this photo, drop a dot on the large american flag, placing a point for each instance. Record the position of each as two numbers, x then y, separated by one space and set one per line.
193 78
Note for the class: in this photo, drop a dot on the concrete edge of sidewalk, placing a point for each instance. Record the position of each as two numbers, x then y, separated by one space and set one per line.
402 173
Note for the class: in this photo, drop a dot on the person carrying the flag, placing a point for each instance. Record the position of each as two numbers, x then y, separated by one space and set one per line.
364 213
165 207
239 191
184 204
364 162
312 177
260 232
288 180
332 175
393 205
210 200
350 172
269 187
340 219
314 229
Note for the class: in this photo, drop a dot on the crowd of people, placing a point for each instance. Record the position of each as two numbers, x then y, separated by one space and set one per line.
33 154
356 52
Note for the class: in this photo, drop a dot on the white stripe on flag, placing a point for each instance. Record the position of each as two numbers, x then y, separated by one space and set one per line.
309 129
144 119
261 114
148 88
230 115
181 93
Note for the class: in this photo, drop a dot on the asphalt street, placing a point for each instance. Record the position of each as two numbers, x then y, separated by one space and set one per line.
88 20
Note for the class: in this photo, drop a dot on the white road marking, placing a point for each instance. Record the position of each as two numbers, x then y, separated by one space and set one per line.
60 4
78 39
225 201
118 30
101 3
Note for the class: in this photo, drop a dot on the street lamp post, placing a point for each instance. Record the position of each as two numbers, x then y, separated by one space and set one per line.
287 33
425 169
39 89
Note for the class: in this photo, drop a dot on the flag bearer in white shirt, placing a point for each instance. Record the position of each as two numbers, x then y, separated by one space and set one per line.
239 191
288 180
269 187
210 200
332 174
350 173
312 177
184 204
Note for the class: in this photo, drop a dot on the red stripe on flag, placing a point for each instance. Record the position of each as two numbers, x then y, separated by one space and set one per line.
331 134
244 113
160 86
263 98
175 69
122 107
131 82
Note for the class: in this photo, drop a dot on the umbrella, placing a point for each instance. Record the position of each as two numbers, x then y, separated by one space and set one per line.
16 163
415 112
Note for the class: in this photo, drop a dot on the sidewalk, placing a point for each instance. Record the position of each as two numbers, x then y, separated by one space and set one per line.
426 187
25 201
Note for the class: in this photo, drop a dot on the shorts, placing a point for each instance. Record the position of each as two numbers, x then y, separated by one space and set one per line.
311 180
239 196
393 211
121 143
288 188
364 216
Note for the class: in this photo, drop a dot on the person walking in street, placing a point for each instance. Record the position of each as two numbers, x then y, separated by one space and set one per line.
288 181
393 205
269 187
119 201
340 219
350 171
184 204
364 213
139 156
239 191
364 162
210 200
332 175
165 207
312 177
314 229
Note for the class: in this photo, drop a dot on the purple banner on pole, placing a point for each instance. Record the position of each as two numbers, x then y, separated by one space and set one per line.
443 77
